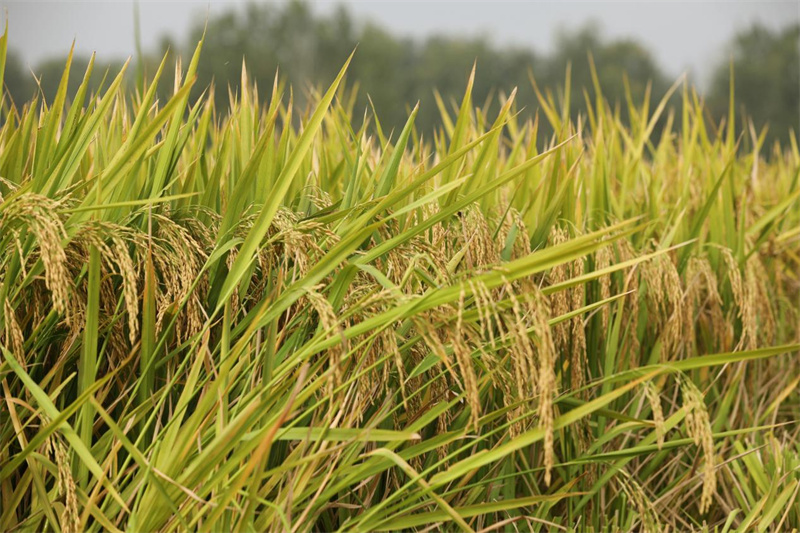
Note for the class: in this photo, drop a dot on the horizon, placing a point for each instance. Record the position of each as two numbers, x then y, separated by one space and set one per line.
108 27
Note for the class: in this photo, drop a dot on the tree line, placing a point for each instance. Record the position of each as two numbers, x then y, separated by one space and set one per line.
396 72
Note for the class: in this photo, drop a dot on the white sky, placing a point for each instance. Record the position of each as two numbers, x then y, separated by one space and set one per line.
683 35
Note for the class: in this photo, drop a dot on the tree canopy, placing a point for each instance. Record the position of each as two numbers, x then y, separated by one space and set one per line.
766 66
307 49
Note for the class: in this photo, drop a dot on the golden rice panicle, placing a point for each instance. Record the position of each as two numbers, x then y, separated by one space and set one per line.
751 306
434 343
40 214
179 255
702 291
603 259
129 284
438 233
759 300
644 507
486 315
740 297
698 426
377 376
440 390
523 362
524 358
734 277
653 277
513 220
653 397
327 318
13 334
546 380
477 236
389 342
94 236
666 304
234 298
70 521
632 277
695 282
522 244
677 343
578 361
559 301
373 359
464 360
65 483
508 362
296 243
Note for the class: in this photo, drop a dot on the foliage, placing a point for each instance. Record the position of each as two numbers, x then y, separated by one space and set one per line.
218 319
767 77
396 72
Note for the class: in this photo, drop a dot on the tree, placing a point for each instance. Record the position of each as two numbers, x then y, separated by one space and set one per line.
615 62
395 72
18 80
766 69
50 71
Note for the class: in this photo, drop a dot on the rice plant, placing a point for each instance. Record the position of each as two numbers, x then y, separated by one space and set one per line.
268 318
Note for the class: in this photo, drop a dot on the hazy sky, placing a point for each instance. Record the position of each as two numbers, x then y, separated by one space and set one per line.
683 35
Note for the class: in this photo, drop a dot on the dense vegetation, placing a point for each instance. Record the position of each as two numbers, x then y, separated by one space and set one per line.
256 317
396 72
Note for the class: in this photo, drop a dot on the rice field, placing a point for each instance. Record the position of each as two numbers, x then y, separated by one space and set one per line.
280 318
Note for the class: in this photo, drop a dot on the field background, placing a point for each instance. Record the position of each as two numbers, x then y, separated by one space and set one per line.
250 310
